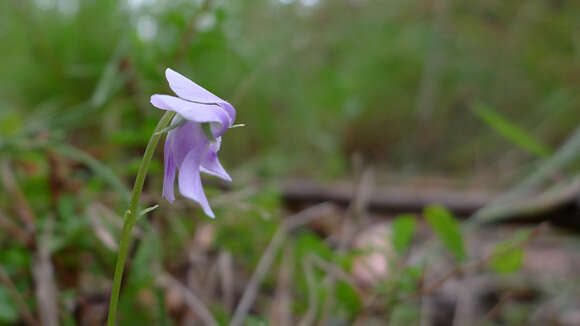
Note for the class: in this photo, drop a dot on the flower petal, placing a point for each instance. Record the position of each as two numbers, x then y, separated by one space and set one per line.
213 167
170 167
190 180
194 111
230 110
210 163
186 138
187 89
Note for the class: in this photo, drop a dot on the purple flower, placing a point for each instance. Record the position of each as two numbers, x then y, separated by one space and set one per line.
187 147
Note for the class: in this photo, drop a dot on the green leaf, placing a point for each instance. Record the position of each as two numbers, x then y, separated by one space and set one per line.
508 258
447 229
403 232
510 131
507 262
148 210
348 298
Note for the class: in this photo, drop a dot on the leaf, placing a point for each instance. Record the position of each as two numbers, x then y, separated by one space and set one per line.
447 229
506 260
403 232
348 298
507 256
510 131
148 210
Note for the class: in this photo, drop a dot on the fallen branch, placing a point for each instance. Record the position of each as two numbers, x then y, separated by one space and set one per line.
386 199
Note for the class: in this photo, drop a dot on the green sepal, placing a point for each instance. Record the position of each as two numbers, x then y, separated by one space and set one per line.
207 131
173 126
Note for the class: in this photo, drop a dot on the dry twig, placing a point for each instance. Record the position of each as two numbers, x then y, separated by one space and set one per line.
251 291
310 316
20 303
226 274
191 299
475 265
282 307
43 271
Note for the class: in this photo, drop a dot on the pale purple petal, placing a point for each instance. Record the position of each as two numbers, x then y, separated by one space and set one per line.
190 180
194 111
210 163
169 174
185 138
230 110
187 89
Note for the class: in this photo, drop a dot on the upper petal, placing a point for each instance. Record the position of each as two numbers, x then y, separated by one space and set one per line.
187 89
194 111
231 111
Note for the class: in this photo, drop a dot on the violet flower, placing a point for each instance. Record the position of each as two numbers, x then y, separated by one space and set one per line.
187 146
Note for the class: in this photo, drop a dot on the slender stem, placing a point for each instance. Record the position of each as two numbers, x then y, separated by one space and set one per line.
131 216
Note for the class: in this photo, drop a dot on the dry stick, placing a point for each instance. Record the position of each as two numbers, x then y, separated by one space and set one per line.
357 208
267 259
477 264
24 211
8 226
334 273
24 311
43 272
310 316
226 279
282 306
334 270
191 299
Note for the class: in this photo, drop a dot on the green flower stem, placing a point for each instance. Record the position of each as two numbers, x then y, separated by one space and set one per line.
131 215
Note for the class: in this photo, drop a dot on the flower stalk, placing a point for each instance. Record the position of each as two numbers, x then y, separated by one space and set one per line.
131 216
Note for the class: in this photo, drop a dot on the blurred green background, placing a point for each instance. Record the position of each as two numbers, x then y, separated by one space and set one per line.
474 91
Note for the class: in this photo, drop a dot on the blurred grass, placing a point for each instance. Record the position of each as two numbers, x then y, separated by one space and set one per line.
327 81
393 81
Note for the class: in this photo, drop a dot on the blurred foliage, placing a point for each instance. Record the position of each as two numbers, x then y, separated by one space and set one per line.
403 231
314 81
347 74
447 229
510 131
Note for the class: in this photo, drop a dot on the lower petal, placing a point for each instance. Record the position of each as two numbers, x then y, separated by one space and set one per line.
190 180
211 165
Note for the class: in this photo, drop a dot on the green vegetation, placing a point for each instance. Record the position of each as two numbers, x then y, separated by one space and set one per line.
474 91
